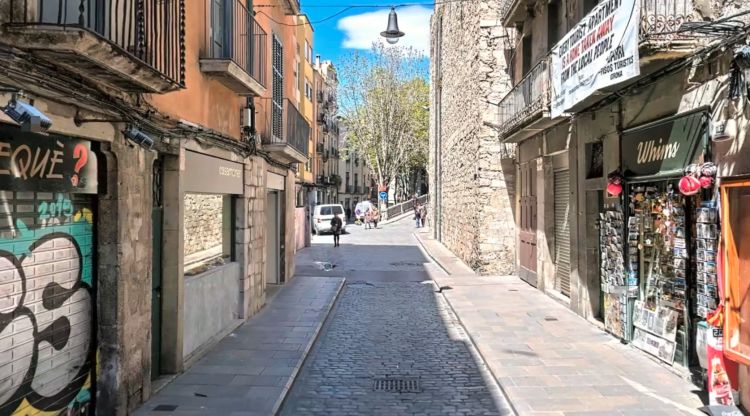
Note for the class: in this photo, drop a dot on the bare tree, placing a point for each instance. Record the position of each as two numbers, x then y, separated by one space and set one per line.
384 99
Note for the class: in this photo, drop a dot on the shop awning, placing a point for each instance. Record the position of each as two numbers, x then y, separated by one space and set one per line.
665 147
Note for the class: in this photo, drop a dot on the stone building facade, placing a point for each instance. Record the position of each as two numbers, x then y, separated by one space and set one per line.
154 153
471 177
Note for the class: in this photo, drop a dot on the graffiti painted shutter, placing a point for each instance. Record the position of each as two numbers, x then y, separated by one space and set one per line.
562 231
47 289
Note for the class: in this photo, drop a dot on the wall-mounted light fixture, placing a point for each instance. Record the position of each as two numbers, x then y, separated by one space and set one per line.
28 116
138 137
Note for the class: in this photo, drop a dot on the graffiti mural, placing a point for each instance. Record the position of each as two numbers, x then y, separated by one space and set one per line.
47 342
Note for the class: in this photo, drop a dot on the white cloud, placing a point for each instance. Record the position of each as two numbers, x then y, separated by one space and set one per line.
361 30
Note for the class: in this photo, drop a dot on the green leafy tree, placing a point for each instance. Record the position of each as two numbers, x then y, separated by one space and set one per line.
384 99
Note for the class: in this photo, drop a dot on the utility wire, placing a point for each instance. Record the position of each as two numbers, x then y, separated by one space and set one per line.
347 7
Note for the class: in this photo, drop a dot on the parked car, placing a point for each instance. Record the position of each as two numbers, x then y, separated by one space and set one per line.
322 217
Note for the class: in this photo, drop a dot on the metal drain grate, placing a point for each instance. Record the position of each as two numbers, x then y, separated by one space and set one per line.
165 408
398 385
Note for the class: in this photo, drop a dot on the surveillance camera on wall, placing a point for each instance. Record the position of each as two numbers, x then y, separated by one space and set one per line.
27 116
140 138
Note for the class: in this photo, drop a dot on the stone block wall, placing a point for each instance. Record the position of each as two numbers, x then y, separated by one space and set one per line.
124 280
203 222
469 79
254 283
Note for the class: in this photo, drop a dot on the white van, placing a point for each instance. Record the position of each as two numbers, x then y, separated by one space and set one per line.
322 217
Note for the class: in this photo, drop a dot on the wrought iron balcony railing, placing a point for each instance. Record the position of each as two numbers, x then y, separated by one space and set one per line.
527 100
152 31
235 35
660 18
286 128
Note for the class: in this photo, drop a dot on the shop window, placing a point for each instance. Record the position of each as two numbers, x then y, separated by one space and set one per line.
594 160
207 232
736 228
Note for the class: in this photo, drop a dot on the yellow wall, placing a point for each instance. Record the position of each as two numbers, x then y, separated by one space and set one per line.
306 107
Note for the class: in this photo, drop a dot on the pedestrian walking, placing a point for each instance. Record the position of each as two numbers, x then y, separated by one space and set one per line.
423 215
368 219
375 217
418 215
336 226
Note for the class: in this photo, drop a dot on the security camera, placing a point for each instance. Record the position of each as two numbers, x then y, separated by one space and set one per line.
27 116
140 138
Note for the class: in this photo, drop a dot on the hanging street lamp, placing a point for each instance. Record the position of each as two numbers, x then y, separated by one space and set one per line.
392 34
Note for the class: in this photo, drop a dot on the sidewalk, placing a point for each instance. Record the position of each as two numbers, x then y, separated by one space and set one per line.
550 361
250 372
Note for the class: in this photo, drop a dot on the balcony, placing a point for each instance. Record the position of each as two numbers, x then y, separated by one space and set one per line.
525 110
235 49
286 133
291 6
129 45
659 18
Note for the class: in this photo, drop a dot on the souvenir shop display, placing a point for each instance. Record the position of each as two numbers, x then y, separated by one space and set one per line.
706 241
614 281
658 263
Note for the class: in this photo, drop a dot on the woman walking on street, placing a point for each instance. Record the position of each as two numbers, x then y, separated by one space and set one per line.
423 215
336 226
368 219
375 217
418 215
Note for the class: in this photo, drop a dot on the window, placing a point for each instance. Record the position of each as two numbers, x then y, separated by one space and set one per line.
347 179
277 93
526 55
589 5
553 23
297 73
308 52
735 228
208 230
218 32
356 180
308 90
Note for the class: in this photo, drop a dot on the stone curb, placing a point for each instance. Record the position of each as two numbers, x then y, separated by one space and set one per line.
306 352
475 347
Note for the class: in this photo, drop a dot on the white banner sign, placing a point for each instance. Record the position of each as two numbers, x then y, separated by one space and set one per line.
600 51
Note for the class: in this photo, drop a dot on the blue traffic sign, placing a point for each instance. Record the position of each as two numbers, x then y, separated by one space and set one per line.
384 195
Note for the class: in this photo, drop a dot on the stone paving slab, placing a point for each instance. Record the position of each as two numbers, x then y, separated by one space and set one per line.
249 372
550 361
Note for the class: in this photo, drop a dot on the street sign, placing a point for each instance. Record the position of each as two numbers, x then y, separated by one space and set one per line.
384 195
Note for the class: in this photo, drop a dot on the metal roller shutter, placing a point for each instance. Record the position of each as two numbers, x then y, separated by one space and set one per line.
47 307
562 231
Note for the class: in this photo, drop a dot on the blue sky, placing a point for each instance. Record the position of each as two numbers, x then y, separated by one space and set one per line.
357 28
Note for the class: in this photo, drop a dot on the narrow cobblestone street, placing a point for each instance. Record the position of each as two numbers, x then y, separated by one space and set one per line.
388 323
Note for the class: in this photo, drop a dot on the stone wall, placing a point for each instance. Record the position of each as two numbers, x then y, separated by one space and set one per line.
203 222
251 235
124 280
472 180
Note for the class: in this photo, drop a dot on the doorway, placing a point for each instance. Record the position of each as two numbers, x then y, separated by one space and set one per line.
273 246
157 211
527 223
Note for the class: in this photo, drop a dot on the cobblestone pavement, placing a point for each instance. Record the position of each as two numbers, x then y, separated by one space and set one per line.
388 322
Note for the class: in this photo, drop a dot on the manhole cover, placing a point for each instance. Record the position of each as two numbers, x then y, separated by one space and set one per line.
398 385
165 408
